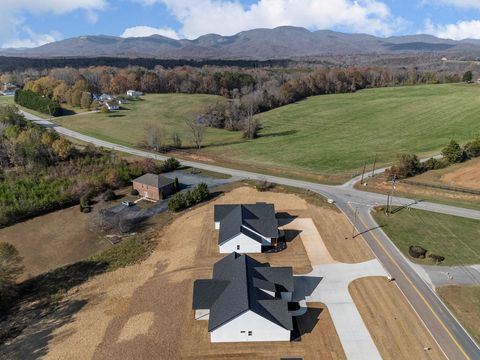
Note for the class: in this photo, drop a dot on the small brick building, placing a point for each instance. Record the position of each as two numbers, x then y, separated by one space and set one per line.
154 187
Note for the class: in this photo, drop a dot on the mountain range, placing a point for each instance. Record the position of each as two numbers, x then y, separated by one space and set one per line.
284 42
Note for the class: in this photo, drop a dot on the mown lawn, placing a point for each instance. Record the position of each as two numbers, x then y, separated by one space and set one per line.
6 100
464 301
330 134
170 111
455 238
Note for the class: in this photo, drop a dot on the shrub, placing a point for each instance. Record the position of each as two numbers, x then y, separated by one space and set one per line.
109 195
453 152
472 148
434 164
417 252
169 165
104 110
262 186
37 102
436 258
408 165
85 201
184 200
134 192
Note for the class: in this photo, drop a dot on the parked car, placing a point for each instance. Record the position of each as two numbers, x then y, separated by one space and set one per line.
128 203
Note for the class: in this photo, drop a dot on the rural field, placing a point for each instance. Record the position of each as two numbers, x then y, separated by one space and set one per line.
464 301
453 237
124 313
329 134
127 126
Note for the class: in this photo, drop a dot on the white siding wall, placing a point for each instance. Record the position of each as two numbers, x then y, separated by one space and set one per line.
261 328
247 245
265 241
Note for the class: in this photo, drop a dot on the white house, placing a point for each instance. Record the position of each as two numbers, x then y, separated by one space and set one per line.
246 228
134 93
245 301
112 105
105 97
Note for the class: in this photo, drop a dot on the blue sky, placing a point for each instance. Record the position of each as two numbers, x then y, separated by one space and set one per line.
28 23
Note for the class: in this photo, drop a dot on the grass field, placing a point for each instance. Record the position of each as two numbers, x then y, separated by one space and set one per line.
453 237
332 134
464 301
127 127
6 100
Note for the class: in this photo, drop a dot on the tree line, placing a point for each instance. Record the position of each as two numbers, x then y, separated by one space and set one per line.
41 171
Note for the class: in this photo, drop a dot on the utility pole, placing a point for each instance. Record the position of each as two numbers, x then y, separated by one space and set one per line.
374 164
354 224
387 211
363 172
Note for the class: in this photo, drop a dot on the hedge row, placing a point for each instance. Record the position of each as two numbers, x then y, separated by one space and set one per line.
37 102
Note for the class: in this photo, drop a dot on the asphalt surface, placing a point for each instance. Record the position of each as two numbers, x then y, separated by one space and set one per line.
452 338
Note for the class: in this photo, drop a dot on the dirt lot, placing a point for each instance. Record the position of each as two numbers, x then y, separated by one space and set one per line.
467 175
53 240
144 311
391 321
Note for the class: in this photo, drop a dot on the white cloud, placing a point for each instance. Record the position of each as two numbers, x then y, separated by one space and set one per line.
458 31
12 31
92 17
143 31
33 39
465 4
228 17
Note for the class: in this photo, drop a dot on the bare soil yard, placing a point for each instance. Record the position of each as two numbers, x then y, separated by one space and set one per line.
49 241
144 311
391 321
467 175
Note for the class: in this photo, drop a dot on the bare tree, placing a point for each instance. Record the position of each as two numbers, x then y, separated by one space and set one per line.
197 131
251 125
176 140
153 136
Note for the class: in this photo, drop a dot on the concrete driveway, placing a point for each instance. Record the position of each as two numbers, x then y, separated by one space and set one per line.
328 284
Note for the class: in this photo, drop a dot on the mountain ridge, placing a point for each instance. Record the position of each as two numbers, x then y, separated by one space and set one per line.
285 42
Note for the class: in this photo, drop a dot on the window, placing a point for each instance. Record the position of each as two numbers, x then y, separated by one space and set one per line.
238 247
249 333
242 332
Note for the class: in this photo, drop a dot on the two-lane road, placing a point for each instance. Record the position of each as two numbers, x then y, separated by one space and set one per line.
449 334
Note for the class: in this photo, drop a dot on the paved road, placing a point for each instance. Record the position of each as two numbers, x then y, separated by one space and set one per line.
446 330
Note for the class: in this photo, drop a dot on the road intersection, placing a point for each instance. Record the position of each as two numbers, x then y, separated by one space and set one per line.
357 205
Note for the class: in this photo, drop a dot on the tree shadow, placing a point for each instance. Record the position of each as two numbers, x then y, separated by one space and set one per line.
277 134
27 329
116 115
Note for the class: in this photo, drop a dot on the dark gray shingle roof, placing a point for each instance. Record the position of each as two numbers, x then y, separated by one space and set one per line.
242 280
259 217
154 180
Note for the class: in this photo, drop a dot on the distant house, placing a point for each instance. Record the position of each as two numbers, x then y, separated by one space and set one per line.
105 97
134 93
7 92
154 187
444 59
246 228
245 301
112 105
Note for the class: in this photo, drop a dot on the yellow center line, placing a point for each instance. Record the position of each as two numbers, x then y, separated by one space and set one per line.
414 286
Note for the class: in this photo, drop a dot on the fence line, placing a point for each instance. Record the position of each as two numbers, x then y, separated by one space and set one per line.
443 187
